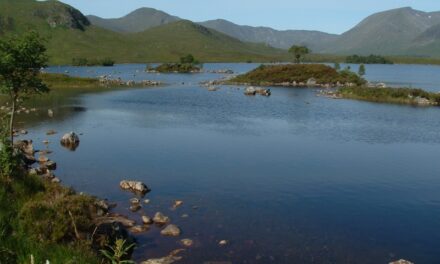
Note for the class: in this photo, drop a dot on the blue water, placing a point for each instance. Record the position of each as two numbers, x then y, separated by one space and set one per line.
293 178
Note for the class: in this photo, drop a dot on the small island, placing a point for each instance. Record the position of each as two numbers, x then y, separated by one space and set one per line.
388 95
299 75
187 64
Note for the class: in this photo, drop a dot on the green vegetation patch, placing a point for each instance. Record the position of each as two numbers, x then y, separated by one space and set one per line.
55 80
299 73
371 59
391 95
188 64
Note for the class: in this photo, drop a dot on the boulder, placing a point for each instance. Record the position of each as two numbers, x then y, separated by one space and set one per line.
311 82
147 220
134 186
70 141
159 218
250 90
25 146
171 258
170 230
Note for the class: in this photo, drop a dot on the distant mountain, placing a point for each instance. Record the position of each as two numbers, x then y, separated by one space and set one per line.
392 32
70 35
315 40
137 21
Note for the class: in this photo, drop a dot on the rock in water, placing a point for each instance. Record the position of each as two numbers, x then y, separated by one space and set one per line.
70 141
159 218
134 186
147 220
171 230
177 203
401 261
138 229
250 90
186 242
25 146
223 242
171 258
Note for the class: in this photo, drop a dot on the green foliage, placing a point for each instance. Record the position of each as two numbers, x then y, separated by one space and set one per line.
389 95
277 74
177 67
119 252
21 59
337 66
92 62
361 70
188 59
371 59
299 52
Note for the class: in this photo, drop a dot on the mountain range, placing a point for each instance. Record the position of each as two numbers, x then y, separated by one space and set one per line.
70 35
402 31
149 35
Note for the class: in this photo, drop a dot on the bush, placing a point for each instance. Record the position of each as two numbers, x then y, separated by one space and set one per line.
50 219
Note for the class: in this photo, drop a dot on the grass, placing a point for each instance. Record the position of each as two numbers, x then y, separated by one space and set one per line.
21 237
288 73
389 95
63 81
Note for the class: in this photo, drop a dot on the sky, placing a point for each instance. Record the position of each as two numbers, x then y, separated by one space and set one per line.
332 16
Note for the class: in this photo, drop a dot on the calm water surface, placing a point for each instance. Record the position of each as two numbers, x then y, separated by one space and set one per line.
292 178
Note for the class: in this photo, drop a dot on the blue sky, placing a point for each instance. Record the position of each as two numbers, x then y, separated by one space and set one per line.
334 16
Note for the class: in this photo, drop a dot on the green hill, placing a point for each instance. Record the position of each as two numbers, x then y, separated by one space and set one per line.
70 35
137 21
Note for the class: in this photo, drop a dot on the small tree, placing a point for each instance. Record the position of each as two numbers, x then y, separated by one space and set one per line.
21 59
299 52
361 70
337 66
188 59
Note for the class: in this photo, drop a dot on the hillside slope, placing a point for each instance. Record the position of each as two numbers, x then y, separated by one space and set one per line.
315 40
69 35
137 21
391 32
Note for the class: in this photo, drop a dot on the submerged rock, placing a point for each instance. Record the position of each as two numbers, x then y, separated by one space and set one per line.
159 218
51 132
139 229
135 207
223 242
187 242
134 186
171 230
177 203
